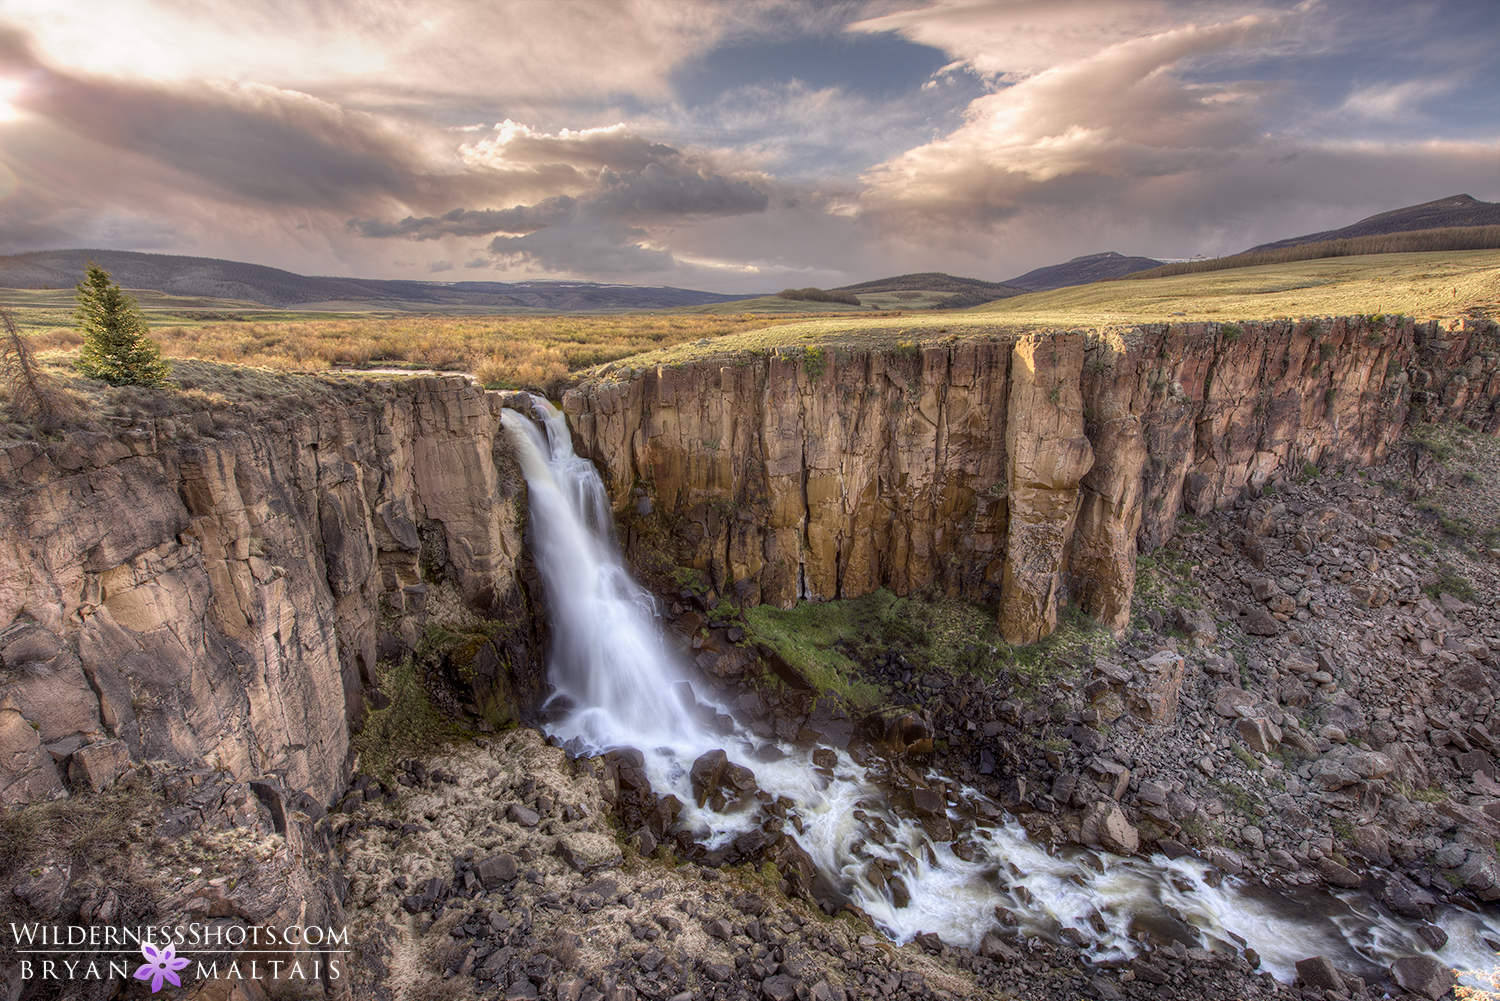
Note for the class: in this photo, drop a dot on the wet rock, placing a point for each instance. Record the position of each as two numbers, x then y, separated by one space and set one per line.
930 942
1319 973
1433 936
1423 976
994 947
1227 861
928 803
825 757
899 731
1016 795
1336 874
720 783
1408 900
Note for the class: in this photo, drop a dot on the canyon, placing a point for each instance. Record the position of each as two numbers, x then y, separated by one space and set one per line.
1025 470
209 600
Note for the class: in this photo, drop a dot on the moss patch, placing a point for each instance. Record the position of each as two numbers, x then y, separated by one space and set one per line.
409 727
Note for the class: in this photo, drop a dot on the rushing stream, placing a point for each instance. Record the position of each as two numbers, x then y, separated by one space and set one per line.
615 678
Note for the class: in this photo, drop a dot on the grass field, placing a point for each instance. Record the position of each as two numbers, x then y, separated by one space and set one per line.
884 301
1444 284
541 351
501 351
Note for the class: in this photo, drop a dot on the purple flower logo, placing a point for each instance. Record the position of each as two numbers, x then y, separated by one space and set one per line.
160 965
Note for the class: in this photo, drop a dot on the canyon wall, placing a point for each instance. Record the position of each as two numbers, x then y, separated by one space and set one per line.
1025 471
215 596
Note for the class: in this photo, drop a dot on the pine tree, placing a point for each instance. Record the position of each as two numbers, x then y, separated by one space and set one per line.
116 348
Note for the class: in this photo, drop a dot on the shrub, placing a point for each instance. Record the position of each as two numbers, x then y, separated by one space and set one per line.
811 294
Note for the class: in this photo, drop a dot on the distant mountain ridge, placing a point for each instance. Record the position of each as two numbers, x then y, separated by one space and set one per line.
1082 271
963 292
1444 213
207 276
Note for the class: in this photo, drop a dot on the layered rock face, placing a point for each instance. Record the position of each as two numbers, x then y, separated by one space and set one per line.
1028 471
221 602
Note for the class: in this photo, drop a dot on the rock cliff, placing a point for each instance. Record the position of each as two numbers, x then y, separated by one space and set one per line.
1025 470
206 595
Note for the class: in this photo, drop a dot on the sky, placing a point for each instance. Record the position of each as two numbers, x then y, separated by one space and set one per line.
730 146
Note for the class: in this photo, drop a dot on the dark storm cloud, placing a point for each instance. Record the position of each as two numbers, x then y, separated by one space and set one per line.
598 148
655 192
596 233
469 222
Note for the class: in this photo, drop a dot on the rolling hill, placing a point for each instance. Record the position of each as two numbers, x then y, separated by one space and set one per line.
209 277
1081 271
958 293
1445 213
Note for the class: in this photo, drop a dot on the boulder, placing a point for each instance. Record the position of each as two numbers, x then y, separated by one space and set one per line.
1229 701
1104 826
587 852
1259 622
98 765
497 870
27 771
523 815
1157 699
1481 874
1423 976
1260 735
1335 874
1319 974
1370 764
720 783
1199 625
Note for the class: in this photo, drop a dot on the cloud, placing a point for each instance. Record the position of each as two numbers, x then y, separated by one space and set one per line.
1401 99
469 222
1011 41
391 53
602 230
1115 114
610 146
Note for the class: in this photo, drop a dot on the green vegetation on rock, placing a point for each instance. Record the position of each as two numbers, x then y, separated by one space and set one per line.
408 727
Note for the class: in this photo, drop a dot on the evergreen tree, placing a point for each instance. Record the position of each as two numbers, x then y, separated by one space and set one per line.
115 346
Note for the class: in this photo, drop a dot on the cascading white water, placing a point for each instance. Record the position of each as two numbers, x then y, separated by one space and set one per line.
615 678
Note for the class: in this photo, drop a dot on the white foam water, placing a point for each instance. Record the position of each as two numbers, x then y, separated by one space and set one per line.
617 683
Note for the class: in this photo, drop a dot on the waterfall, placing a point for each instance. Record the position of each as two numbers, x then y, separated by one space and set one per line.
618 685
